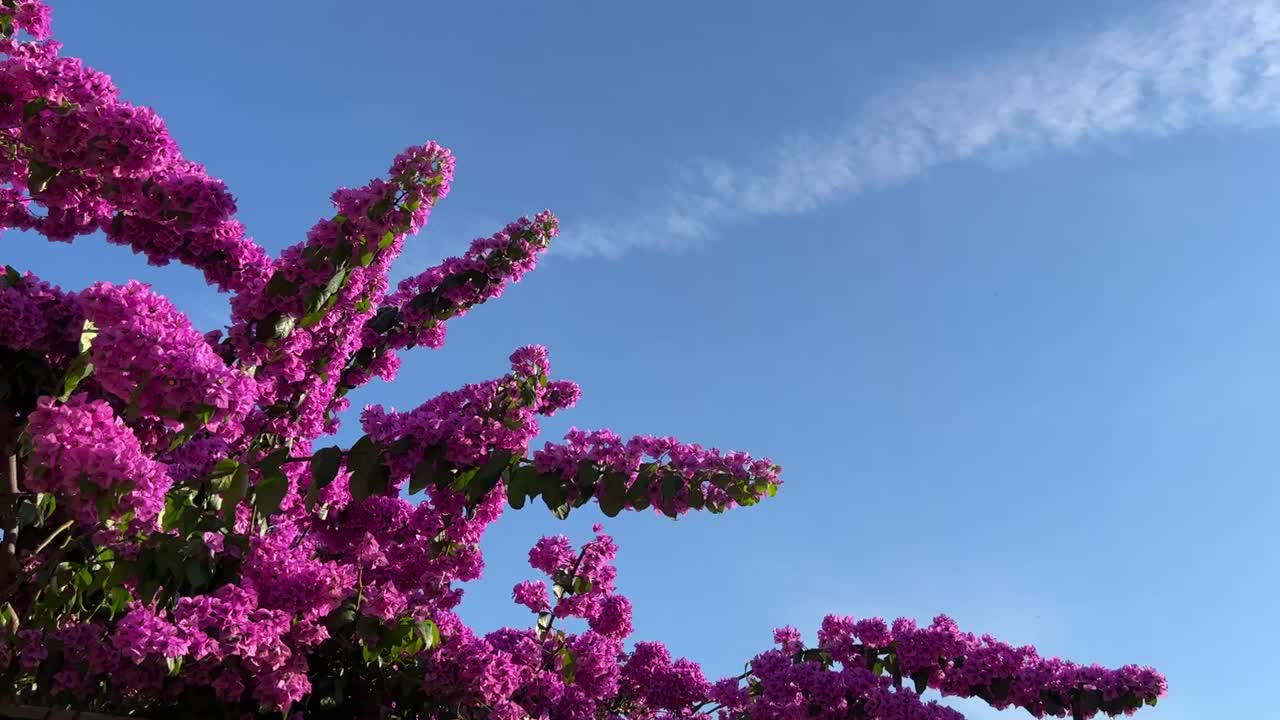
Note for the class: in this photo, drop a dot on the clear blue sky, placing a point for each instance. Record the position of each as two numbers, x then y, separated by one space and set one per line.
1005 307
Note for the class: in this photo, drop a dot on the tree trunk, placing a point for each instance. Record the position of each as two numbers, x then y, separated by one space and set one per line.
9 496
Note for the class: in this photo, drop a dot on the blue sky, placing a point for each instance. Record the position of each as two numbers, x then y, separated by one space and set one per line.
994 282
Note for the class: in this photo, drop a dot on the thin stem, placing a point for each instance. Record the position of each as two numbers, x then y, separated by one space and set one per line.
57 531
568 591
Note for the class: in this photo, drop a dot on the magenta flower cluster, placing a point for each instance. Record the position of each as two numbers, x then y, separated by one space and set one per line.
36 316
95 162
472 423
85 455
451 288
706 475
415 314
181 548
147 354
296 329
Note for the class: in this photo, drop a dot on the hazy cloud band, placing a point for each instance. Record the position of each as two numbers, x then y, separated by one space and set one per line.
1199 64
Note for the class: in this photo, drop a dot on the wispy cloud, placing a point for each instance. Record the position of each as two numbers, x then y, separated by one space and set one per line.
1182 66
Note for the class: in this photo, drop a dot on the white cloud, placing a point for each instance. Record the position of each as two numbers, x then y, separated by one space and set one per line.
1200 64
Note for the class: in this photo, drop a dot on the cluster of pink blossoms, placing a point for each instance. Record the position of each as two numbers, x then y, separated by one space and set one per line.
82 453
184 551
470 424
147 354
545 672
296 329
415 314
449 289
942 657
688 476
94 162
39 317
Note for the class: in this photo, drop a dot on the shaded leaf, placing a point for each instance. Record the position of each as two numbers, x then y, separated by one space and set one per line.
671 484
921 680
521 483
325 463
236 491
487 476
270 490
427 472
613 496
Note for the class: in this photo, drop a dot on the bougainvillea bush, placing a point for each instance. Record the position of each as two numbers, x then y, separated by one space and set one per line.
180 543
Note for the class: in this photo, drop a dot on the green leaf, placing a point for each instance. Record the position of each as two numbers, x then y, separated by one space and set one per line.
401 446
39 175
33 108
1052 702
117 598
672 481
341 618
430 633
235 492
28 513
80 369
225 468
722 480
462 478
270 490
198 573
46 503
175 505
695 499
387 238
1087 701
87 333
587 476
204 413
426 473
568 664
319 296
105 504
280 284
891 664
384 319
168 559
363 452
638 494
325 463
521 484
581 585
320 299
283 325
614 495
554 494
368 475
487 476
543 625
379 209
921 680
